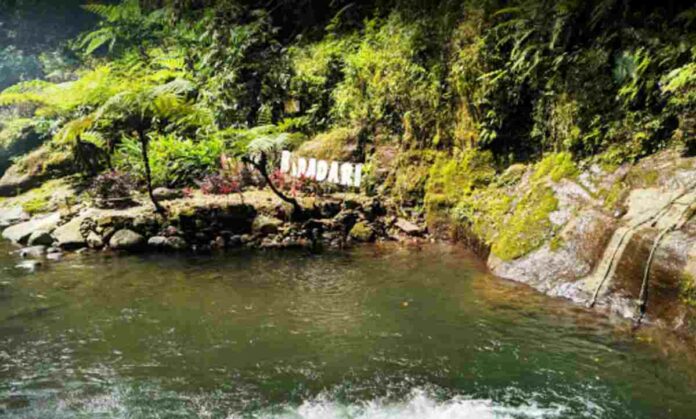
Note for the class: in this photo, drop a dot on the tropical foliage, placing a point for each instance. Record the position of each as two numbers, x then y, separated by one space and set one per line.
181 83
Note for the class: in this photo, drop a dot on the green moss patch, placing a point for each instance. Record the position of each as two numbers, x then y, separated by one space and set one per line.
362 232
556 166
337 144
687 290
528 227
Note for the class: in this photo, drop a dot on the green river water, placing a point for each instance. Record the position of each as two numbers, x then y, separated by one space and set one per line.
377 332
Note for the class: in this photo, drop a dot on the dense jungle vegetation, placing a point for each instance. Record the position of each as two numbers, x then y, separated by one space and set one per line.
441 100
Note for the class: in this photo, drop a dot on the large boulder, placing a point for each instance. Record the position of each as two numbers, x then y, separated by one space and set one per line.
571 257
12 215
126 240
40 238
69 235
21 232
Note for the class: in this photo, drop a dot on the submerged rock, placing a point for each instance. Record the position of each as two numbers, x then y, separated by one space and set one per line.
29 265
126 240
56 257
33 252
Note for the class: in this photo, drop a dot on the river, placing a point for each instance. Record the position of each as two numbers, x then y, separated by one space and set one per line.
376 332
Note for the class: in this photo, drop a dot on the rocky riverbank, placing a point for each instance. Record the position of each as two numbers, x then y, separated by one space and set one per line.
619 239
198 223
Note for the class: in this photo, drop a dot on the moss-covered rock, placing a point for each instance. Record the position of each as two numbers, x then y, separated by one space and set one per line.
528 227
362 232
338 144
556 166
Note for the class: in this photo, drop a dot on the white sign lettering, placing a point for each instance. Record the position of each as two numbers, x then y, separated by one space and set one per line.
338 173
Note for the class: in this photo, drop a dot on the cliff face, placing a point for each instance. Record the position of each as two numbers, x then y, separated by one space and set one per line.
631 251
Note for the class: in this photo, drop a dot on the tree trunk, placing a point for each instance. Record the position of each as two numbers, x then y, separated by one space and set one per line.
148 173
297 211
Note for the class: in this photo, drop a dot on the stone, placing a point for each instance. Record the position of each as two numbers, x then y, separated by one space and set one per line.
235 241
346 219
167 243
29 265
268 243
350 204
33 251
362 232
167 194
42 238
176 243
126 240
12 215
21 232
171 231
329 209
157 242
218 243
265 225
54 256
69 235
94 240
408 227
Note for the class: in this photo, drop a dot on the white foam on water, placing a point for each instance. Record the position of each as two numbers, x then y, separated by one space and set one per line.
420 405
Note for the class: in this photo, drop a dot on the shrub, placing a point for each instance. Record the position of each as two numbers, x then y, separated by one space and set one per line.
386 84
112 189
174 161
218 184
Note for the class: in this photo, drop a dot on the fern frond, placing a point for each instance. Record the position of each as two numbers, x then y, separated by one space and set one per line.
70 131
96 39
127 10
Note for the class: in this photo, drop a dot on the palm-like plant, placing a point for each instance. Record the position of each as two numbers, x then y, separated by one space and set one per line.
142 109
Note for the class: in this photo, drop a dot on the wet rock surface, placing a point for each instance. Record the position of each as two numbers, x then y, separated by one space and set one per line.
604 249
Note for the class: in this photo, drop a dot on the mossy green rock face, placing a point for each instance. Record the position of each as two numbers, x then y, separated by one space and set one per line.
362 232
338 144
527 227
